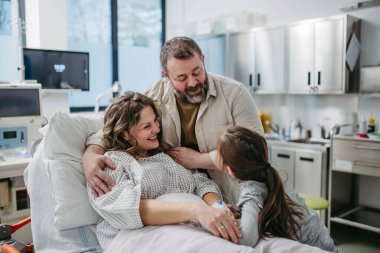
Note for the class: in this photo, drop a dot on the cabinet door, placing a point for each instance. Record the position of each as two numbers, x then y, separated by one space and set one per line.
283 160
241 58
214 50
329 51
308 172
270 60
300 57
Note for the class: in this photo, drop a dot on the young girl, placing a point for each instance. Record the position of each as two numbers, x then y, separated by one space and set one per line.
131 134
267 209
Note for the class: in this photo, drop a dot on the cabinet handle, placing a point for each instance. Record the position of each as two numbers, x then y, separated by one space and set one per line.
366 147
319 77
258 79
250 80
283 156
308 78
367 164
306 159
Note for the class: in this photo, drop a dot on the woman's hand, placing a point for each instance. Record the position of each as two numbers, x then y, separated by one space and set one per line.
219 222
94 162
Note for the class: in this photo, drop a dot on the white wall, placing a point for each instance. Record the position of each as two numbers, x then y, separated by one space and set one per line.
312 110
47 24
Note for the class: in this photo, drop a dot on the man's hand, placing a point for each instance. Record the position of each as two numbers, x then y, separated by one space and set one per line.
191 159
94 162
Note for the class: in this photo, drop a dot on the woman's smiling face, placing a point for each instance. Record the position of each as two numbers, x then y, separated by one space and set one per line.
144 134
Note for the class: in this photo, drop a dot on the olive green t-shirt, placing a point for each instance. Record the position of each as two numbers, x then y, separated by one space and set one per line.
188 115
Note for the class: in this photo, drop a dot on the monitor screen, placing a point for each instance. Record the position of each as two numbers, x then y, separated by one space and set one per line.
57 69
19 102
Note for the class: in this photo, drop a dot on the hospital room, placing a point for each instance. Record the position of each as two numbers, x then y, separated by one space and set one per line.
190 126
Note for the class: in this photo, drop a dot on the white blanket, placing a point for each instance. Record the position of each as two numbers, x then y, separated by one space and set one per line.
190 239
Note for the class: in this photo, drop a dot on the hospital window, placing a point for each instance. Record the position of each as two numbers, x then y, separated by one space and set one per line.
139 31
5 17
132 58
8 41
89 30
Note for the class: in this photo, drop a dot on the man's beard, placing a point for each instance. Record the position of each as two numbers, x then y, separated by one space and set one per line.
194 99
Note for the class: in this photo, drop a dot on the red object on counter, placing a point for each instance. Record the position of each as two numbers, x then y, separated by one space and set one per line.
362 135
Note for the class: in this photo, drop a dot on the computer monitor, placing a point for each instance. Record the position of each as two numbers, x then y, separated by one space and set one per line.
21 101
55 69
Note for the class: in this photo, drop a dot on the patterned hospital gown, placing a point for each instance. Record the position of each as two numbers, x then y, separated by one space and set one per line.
145 178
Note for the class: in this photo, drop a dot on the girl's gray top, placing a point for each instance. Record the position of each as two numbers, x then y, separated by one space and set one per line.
253 195
144 178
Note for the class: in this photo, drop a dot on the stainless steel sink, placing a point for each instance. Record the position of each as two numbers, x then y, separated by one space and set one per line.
310 141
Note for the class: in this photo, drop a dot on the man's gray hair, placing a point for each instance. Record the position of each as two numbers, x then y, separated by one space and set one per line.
179 48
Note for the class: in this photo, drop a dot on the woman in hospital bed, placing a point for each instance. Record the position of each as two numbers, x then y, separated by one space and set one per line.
267 209
131 136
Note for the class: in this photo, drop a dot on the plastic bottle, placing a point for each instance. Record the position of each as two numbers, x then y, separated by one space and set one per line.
371 124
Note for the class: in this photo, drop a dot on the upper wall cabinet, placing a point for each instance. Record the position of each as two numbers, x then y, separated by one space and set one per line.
257 59
240 58
316 56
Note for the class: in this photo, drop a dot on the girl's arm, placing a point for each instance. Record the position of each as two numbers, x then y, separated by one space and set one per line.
251 201
248 223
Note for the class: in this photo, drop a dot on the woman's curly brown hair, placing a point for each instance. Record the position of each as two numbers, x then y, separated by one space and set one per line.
122 116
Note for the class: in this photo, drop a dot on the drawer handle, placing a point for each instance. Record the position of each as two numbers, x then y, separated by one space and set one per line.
306 159
359 163
283 156
366 147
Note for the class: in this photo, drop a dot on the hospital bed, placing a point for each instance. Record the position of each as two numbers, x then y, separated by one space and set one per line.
64 221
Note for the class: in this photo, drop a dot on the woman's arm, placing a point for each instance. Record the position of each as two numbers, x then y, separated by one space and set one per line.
156 212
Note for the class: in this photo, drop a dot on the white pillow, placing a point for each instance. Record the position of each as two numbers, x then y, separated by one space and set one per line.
64 146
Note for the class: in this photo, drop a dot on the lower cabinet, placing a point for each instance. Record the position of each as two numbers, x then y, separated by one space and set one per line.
283 160
308 176
302 168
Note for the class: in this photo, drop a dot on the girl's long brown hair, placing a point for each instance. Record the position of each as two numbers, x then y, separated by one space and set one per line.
122 116
246 153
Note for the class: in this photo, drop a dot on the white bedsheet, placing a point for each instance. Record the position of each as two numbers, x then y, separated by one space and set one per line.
190 239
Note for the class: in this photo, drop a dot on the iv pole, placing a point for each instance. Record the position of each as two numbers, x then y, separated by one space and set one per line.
111 93
21 66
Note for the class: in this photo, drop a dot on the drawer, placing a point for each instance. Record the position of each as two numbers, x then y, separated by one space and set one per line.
357 150
361 167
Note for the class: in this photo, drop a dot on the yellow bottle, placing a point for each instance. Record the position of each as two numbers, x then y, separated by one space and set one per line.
371 124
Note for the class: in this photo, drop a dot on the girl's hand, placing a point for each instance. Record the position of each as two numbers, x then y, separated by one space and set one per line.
235 213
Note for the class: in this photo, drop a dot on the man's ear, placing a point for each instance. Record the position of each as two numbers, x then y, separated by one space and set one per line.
164 74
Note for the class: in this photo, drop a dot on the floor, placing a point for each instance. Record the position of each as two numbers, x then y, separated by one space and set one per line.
352 240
